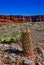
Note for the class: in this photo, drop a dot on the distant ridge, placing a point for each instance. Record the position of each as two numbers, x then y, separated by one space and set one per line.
21 19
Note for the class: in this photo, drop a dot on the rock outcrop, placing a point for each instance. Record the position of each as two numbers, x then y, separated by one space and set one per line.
18 18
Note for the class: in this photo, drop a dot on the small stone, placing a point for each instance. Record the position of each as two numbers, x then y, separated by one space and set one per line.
27 61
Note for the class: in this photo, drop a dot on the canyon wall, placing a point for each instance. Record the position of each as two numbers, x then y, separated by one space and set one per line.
18 18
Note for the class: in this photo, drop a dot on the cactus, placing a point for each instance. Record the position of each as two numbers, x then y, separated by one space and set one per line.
26 41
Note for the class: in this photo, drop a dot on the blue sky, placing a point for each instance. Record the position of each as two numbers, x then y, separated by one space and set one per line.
22 7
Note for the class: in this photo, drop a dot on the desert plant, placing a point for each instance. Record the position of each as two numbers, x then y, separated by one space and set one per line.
15 33
26 41
12 40
2 39
5 39
9 40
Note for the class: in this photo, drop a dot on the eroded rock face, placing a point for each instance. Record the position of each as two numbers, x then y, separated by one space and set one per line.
20 19
7 17
1 16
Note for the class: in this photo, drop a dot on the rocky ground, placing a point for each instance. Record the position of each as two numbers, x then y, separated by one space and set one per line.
12 53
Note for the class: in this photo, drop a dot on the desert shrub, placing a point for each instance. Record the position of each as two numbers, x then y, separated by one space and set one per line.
5 39
12 40
2 39
15 33
9 40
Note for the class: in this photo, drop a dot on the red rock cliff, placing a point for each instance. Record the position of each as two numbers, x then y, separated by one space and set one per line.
21 19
